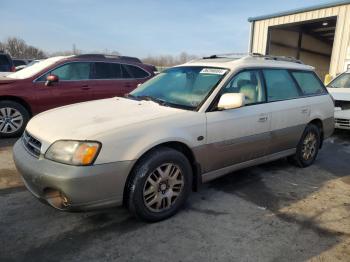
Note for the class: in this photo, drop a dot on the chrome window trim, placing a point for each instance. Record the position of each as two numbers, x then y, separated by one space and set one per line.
93 79
236 72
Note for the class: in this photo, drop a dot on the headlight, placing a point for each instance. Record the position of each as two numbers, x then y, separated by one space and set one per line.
79 153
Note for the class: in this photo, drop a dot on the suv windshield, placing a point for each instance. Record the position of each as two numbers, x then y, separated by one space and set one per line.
35 68
184 87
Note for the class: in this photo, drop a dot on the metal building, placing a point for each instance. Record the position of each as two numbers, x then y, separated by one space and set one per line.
317 35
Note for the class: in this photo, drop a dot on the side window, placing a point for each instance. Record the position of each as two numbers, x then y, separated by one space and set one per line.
308 83
342 81
108 70
250 84
136 72
72 71
280 85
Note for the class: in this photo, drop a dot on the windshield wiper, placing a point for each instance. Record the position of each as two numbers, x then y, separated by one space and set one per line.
131 96
153 99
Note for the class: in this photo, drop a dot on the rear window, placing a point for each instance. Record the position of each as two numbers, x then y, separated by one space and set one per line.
136 72
308 83
280 85
110 71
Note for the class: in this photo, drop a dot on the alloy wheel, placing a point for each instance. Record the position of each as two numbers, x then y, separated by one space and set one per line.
163 187
11 120
309 146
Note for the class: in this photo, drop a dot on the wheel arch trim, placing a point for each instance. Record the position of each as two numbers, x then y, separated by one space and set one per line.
19 100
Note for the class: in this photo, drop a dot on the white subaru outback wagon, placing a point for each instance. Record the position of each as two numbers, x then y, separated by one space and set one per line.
189 124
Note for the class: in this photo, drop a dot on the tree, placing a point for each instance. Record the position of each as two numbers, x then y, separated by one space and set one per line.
18 48
169 60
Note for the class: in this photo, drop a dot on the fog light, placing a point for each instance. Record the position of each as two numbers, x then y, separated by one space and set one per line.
56 198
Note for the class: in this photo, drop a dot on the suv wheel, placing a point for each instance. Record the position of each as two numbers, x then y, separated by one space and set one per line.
160 185
13 119
308 146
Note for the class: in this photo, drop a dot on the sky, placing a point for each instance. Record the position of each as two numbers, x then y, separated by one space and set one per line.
138 28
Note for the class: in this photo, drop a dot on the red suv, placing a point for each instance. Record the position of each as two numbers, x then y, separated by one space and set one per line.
59 81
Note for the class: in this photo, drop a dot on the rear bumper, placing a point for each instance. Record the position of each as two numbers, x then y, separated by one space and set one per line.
85 187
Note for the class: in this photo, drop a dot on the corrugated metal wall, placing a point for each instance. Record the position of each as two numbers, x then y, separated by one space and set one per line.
341 40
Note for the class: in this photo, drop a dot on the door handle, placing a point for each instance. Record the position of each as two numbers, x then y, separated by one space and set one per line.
85 87
262 118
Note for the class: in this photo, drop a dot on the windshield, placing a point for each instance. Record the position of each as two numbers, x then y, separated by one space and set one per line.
184 87
342 81
32 70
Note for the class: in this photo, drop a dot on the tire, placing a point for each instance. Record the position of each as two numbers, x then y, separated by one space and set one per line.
149 184
13 119
308 146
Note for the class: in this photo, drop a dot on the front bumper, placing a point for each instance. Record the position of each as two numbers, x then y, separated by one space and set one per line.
85 187
342 119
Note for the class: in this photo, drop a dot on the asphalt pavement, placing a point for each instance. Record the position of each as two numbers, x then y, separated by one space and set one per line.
273 212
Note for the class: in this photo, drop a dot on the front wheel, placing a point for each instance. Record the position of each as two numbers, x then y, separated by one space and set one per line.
308 147
160 185
13 119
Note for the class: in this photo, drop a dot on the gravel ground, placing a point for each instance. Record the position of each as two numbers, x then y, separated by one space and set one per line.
273 212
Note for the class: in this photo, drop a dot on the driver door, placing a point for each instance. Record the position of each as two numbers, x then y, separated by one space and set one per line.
241 134
73 86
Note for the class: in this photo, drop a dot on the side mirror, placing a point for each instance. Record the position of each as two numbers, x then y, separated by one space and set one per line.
231 101
51 79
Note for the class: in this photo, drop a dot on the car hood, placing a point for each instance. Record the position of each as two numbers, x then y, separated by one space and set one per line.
87 120
340 93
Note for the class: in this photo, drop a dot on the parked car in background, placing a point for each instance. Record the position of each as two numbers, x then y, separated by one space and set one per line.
21 63
340 90
6 64
34 61
189 124
60 81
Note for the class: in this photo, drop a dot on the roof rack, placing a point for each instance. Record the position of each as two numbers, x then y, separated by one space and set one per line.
277 58
258 55
103 56
227 55
90 56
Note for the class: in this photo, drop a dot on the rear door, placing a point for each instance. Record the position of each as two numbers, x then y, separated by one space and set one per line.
137 75
111 79
73 85
116 78
289 111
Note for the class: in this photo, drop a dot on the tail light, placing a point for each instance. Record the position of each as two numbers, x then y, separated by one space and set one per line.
13 69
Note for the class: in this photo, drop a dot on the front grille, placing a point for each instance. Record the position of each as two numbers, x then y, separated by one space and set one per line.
344 105
32 145
342 122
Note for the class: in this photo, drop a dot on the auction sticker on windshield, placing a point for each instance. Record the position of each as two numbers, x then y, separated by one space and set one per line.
214 71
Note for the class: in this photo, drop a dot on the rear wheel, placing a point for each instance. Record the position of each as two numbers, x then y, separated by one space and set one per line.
160 185
308 147
13 119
